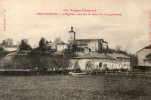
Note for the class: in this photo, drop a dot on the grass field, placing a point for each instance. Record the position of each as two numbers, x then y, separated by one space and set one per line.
67 87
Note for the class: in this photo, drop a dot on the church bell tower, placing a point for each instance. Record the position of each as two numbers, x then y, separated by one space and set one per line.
71 35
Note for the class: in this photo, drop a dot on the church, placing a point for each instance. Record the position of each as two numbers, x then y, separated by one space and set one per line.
89 56
83 46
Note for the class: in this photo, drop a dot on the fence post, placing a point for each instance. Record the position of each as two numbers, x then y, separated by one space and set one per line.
96 72
127 73
116 73
106 72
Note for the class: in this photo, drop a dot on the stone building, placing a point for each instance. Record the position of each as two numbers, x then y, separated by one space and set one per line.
122 60
141 54
84 45
61 47
94 60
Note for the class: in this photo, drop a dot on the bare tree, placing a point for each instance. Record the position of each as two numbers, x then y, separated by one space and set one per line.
7 42
57 41
118 48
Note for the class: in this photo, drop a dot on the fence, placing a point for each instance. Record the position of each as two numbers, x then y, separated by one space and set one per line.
19 72
120 73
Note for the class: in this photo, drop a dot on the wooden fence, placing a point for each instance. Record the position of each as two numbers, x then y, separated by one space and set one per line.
125 73
15 72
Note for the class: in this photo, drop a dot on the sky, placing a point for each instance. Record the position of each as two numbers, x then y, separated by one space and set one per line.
19 20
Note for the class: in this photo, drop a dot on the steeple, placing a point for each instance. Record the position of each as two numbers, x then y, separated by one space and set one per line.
71 29
71 34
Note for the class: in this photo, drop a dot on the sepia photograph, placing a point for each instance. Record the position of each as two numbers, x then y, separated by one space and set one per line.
75 50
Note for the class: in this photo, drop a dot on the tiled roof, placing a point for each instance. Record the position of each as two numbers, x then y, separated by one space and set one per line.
117 55
147 47
94 55
88 40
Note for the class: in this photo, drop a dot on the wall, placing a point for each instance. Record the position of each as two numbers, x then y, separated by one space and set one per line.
141 56
61 47
110 64
93 45
124 63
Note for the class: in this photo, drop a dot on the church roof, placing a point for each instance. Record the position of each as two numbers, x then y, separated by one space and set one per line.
88 40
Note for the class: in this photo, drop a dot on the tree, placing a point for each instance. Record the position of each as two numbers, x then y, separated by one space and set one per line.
4 43
7 42
118 48
42 44
1 48
24 45
57 41
133 60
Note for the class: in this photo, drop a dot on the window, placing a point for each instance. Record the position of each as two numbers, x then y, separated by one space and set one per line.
89 50
100 65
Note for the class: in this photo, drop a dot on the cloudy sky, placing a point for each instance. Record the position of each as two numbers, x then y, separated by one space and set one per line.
130 31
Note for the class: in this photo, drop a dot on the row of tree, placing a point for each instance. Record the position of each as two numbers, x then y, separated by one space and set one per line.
41 57
35 58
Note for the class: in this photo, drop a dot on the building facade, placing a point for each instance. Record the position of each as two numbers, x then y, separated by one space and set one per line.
94 60
122 60
92 45
141 54
61 47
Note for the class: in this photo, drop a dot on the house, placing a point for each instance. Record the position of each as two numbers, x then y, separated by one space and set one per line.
122 60
94 60
94 45
141 54
10 48
61 47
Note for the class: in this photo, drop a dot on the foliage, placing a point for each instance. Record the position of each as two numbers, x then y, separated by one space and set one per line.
118 48
7 42
133 60
24 46
1 48
57 41
148 57
40 60
44 45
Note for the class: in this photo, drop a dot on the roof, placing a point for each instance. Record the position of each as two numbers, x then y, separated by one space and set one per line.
72 30
88 40
84 42
62 43
147 47
117 55
12 46
94 55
